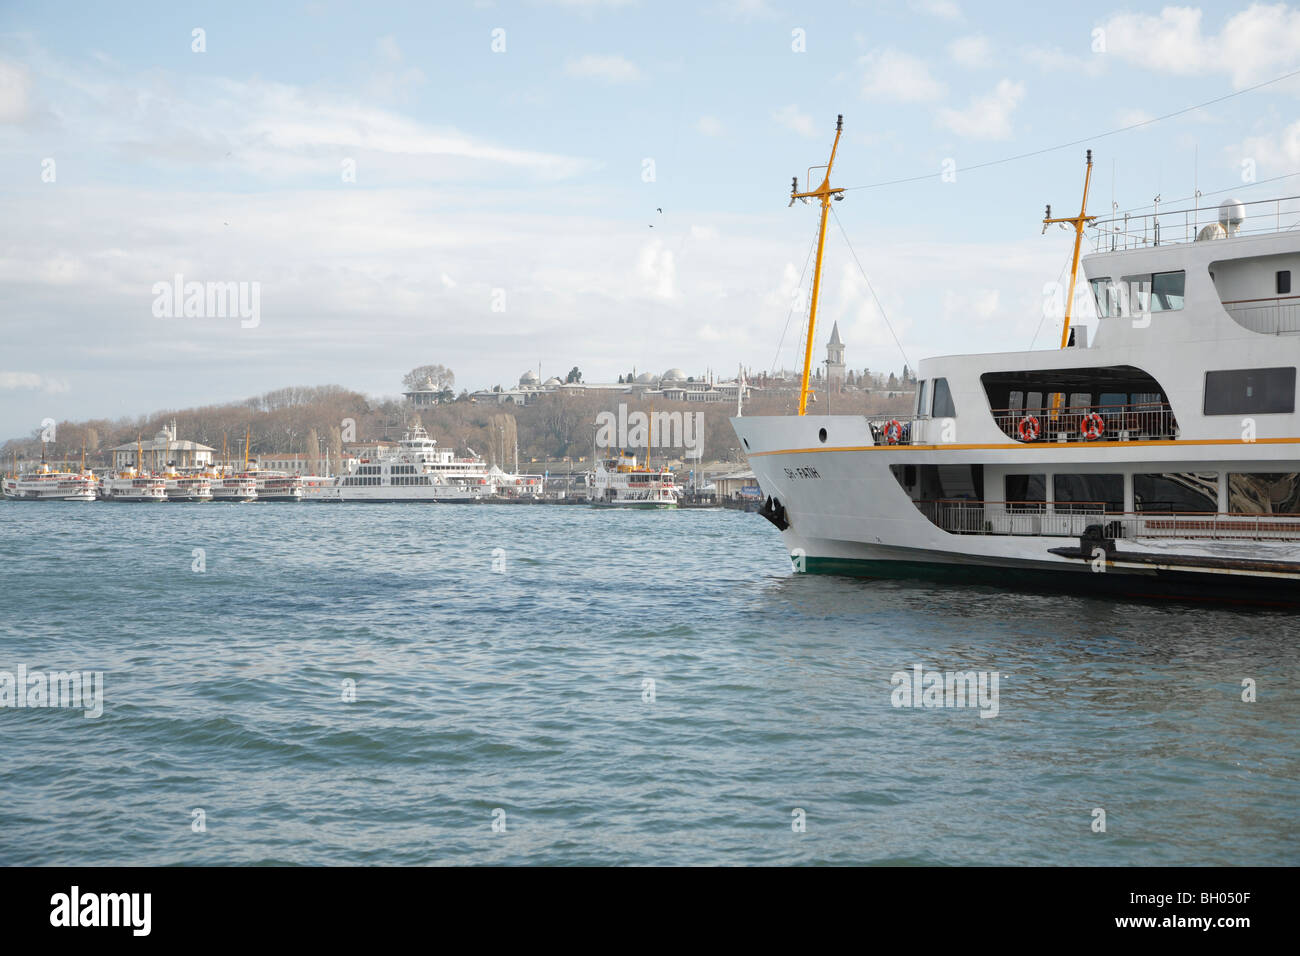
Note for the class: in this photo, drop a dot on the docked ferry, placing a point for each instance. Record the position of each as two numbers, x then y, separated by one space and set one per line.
619 482
133 485
185 486
278 486
417 470
46 484
1160 459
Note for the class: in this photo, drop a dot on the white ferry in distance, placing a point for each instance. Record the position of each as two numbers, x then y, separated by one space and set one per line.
619 482
278 486
418 470
187 486
46 484
235 487
132 485
1161 459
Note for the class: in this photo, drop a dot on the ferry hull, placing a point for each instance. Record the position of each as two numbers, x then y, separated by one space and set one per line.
847 513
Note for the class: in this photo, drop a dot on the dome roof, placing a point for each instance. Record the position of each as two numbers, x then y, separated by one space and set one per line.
645 378
528 378
674 375
552 381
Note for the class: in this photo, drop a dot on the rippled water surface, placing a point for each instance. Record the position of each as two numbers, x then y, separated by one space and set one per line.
525 690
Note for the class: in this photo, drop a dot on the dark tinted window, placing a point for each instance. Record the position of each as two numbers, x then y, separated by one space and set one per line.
1184 491
1088 492
943 406
1284 282
1022 488
1247 391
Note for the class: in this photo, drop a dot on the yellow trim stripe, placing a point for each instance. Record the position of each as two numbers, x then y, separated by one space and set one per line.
1035 445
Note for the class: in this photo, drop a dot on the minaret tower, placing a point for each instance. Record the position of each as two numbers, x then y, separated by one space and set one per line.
835 359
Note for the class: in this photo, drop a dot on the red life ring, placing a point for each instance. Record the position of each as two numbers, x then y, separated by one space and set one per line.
1092 427
1029 428
893 431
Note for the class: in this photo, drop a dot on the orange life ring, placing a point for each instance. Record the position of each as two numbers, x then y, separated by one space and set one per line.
1092 426
1029 429
893 431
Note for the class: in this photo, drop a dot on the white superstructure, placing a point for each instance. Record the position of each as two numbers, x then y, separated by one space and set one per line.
1162 458
418 470
47 484
620 482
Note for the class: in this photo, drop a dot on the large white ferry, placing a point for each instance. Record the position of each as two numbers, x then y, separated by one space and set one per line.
46 484
418 470
619 482
1160 459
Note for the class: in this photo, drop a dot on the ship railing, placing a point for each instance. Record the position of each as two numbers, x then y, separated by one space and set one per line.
1276 316
1145 421
1072 519
964 516
897 431
1184 224
1208 525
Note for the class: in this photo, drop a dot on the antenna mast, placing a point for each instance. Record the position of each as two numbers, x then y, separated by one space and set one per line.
1078 222
825 193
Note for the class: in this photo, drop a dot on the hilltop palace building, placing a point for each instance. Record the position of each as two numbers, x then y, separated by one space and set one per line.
163 449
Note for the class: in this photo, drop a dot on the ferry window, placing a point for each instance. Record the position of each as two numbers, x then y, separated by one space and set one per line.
1245 391
1109 399
1086 492
1167 291
1264 493
943 404
921 390
1183 491
1284 282
1104 294
1134 296
1016 400
1020 490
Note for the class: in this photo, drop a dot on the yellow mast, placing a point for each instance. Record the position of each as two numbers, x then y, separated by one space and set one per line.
225 455
139 455
247 432
1078 222
825 193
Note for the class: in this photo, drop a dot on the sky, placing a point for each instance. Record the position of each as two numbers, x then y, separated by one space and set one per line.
504 186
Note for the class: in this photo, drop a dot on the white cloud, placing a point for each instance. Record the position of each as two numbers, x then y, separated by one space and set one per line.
1255 44
1052 59
15 85
611 68
987 116
1274 154
973 51
11 381
892 75
709 125
1132 117
747 9
944 9
657 270
791 118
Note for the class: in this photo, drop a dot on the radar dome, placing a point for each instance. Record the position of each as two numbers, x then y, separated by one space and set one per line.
1231 215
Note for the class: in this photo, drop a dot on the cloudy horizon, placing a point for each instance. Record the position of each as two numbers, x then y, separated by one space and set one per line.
495 187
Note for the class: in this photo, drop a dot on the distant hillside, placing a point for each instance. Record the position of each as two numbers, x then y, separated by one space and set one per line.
309 419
